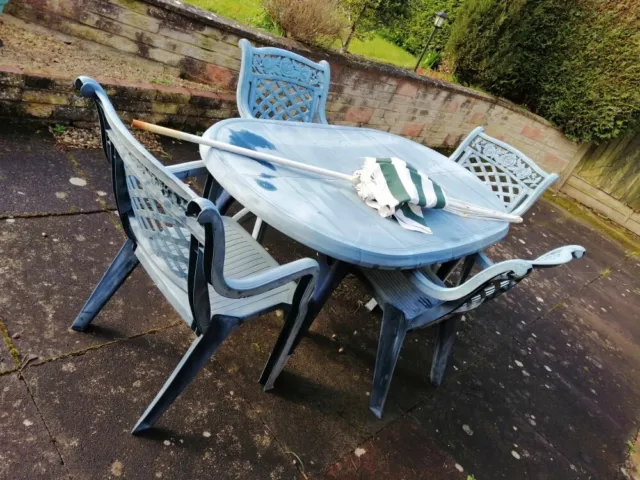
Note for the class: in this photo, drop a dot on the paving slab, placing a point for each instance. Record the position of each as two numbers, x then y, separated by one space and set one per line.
38 179
319 406
90 403
521 381
402 451
478 427
95 168
610 304
586 364
26 449
45 280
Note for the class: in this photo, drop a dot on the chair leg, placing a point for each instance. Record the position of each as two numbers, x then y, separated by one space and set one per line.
196 357
392 333
121 267
284 347
281 350
445 338
259 229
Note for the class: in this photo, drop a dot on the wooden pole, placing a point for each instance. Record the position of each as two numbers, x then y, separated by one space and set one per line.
239 150
454 206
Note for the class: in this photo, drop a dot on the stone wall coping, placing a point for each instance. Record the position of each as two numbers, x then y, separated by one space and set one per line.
351 60
112 82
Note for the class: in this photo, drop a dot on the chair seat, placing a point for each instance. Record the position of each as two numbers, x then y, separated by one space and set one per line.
393 287
244 256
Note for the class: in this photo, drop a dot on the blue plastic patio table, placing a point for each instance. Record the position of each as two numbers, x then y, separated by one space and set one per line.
327 215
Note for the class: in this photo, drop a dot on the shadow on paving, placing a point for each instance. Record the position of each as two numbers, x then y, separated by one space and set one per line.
45 280
542 383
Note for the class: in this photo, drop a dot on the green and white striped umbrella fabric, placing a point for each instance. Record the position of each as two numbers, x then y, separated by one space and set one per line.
396 189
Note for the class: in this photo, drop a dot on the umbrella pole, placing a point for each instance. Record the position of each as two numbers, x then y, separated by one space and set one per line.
458 207
227 147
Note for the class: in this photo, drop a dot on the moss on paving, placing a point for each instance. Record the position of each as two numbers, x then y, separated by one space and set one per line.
13 351
626 238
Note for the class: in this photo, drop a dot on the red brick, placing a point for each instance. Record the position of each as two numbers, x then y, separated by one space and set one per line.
408 89
532 132
136 85
336 70
170 89
451 107
554 163
451 140
411 129
11 69
106 81
479 118
220 76
358 114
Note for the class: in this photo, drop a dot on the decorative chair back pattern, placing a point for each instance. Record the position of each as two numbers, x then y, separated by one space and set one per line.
148 196
491 289
513 177
280 85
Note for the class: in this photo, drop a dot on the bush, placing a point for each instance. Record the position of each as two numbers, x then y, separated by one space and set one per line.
314 22
576 63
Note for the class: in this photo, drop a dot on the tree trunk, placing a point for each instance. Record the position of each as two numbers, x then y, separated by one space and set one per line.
352 31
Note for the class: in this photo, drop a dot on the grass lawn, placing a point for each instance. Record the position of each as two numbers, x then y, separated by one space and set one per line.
244 11
250 11
380 49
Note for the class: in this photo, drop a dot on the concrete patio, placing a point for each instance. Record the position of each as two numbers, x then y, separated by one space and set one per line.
544 382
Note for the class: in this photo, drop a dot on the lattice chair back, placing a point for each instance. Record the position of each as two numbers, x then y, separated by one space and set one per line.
151 201
513 177
280 85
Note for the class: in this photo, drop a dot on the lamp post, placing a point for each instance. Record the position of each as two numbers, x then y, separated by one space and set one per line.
437 23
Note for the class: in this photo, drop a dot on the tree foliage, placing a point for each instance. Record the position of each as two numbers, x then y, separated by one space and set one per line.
412 31
576 63
365 17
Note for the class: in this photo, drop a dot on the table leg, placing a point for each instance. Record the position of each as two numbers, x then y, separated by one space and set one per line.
332 272
218 195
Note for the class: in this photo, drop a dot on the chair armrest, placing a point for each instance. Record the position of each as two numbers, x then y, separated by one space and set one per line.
275 277
559 256
209 217
431 288
188 169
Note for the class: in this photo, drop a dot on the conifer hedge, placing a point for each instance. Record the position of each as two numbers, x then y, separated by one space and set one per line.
574 62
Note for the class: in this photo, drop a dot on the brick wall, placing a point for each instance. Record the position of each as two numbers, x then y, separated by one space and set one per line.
204 48
33 96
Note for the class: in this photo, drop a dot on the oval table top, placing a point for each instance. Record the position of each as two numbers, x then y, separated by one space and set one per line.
326 214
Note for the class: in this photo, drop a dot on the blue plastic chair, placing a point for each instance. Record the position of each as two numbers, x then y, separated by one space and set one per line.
420 298
511 175
207 266
279 85
276 84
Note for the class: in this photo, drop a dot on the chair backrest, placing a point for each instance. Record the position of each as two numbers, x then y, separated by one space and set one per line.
151 201
280 85
513 177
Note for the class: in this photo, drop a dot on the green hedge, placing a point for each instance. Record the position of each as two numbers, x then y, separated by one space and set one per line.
574 62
